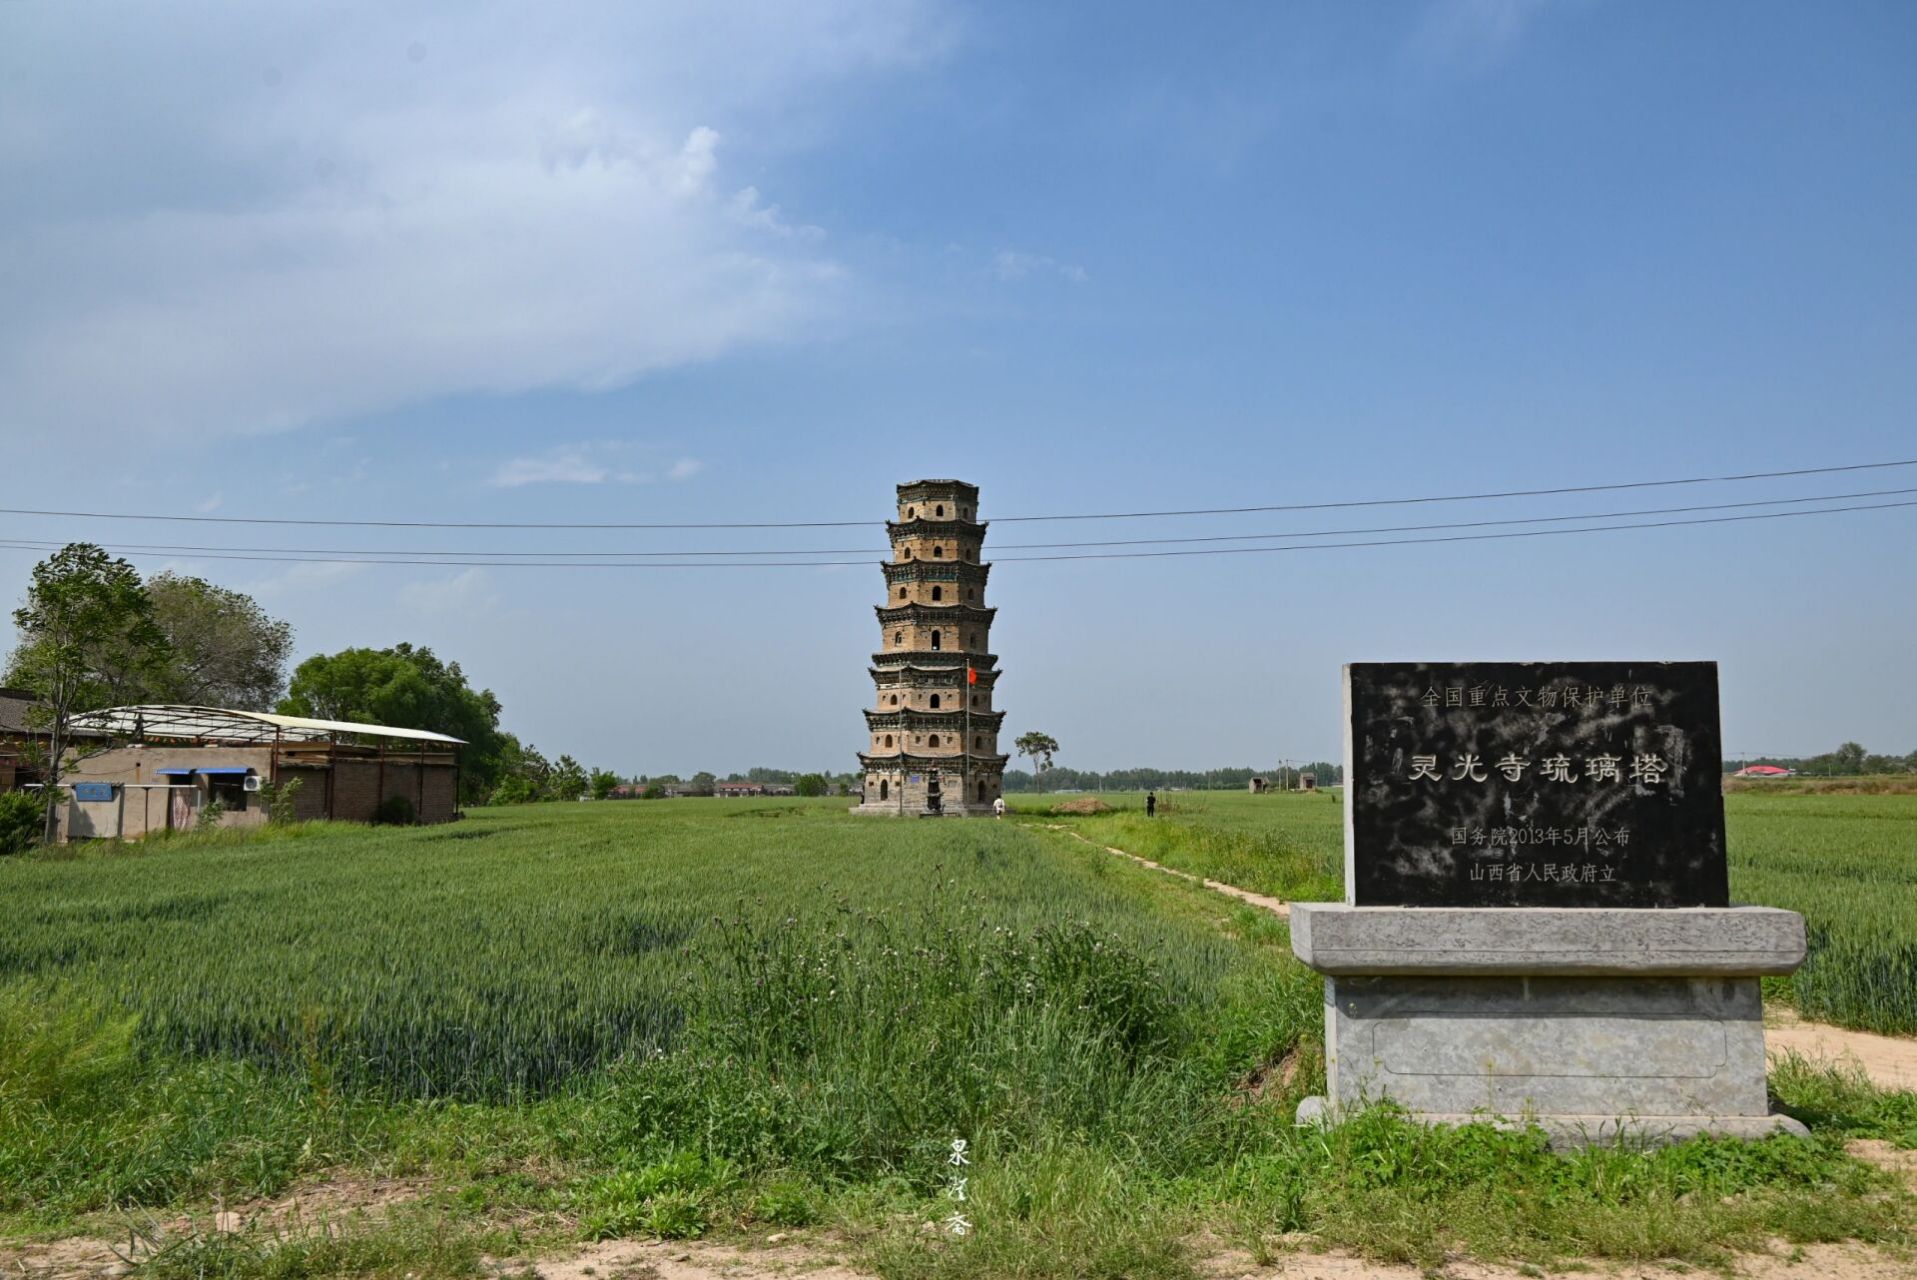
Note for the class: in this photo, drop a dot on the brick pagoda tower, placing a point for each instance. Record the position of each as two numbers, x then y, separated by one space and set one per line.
932 733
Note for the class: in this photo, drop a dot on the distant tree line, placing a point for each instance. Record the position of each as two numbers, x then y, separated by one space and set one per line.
1061 778
1848 761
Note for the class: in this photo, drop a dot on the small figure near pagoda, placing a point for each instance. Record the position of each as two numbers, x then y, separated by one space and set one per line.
932 733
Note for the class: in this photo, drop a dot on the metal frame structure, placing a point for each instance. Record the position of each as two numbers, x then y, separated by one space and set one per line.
254 728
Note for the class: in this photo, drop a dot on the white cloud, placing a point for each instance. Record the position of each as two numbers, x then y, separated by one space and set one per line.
1013 265
597 462
748 209
209 506
568 465
301 580
1473 34
247 226
464 594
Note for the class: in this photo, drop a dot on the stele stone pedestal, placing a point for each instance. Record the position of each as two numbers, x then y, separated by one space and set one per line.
1536 927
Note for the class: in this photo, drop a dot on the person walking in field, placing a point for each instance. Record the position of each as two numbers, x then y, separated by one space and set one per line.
998 807
1151 804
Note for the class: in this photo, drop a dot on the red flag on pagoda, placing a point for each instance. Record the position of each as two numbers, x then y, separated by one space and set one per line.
971 674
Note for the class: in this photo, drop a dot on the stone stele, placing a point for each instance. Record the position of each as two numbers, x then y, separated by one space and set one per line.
1597 1024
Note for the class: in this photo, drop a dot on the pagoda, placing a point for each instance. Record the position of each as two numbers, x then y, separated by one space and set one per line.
932 734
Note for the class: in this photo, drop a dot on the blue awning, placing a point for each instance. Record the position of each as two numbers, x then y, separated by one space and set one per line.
228 769
174 773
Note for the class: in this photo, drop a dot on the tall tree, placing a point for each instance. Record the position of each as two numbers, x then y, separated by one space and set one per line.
87 639
569 780
226 650
405 688
1041 747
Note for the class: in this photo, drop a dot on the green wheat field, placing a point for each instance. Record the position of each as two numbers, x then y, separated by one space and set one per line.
700 1016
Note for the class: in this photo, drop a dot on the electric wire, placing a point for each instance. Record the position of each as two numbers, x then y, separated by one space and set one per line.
193 548
1094 555
857 524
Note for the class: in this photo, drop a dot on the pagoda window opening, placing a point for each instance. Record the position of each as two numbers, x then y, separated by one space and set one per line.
938 593
898 638
884 789
895 699
888 739
981 788
940 512
975 699
977 742
936 638
933 741
908 553
968 593
938 553
935 702
909 511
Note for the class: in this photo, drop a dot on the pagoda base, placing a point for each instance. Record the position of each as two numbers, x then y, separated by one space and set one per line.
883 809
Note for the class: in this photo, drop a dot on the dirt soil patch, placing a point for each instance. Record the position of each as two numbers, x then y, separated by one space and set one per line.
1082 806
1889 1061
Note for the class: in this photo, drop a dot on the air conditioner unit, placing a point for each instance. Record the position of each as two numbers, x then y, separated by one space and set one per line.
252 782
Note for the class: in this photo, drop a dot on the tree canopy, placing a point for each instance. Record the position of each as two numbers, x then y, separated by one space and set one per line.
405 688
87 640
224 650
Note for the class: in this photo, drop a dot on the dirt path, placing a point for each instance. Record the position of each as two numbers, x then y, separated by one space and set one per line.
657 1260
1889 1061
1217 886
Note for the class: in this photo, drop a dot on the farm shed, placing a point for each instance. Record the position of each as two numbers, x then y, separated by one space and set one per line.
171 762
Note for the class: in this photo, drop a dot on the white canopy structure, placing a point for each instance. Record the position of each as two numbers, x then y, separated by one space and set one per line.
215 724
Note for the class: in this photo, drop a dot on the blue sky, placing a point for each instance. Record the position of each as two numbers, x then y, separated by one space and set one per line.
761 262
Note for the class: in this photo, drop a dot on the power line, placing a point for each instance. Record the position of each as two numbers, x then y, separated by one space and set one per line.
1101 555
191 548
860 524
1463 537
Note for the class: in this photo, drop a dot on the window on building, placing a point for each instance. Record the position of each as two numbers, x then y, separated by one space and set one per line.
940 513
895 699
898 638
932 741
981 788
975 699
977 742
968 593
909 511
228 790
935 702
908 553
884 789
936 636
888 739
938 553
938 593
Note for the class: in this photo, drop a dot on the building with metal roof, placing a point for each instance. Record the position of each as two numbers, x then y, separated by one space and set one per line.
171 766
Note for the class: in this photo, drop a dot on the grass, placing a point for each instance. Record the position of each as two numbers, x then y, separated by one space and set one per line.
709 1017
1847 862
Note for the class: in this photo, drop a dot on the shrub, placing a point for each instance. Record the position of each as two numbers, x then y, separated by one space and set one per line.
279 799
20 819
